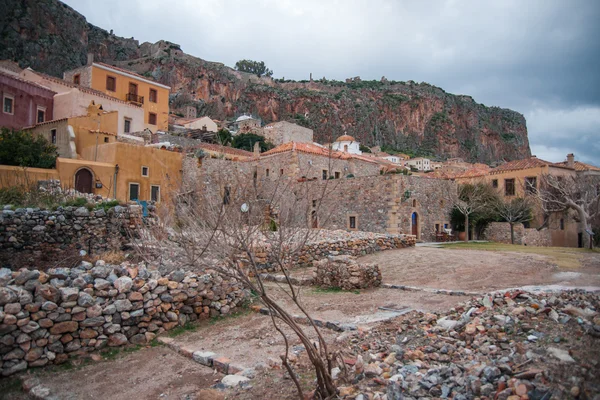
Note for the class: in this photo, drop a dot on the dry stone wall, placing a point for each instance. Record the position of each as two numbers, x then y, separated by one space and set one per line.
45 318
46 237
345 273
500 232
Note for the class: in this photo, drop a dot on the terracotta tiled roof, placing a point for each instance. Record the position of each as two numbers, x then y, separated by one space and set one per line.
47 122
532 162
225 149
579 166
20 79
102 132
308 148
345 138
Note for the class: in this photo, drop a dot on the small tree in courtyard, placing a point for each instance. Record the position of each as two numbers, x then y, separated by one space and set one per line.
470 199
580 193
518 210
246 141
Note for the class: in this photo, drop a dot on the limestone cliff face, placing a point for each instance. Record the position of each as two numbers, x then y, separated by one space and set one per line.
51 37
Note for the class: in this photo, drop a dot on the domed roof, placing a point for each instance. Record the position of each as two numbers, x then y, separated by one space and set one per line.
345 138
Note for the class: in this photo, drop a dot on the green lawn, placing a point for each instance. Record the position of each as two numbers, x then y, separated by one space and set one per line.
563 257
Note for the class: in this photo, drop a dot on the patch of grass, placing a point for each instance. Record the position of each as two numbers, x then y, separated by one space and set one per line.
110 354
563 257
10 385
242 311
188 327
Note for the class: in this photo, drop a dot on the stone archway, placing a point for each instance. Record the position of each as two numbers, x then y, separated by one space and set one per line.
83 180
414 222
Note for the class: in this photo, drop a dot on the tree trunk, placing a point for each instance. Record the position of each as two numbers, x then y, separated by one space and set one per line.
466 227
512 233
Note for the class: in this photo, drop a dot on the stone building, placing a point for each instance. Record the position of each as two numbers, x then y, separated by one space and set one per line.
283 132
23 103
247 124
419 163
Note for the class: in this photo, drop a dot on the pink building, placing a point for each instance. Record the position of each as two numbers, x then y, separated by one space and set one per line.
23 103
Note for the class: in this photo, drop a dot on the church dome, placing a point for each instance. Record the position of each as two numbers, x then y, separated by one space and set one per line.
346 138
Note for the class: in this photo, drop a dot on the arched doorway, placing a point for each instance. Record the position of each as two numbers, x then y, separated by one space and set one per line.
83 181
415 224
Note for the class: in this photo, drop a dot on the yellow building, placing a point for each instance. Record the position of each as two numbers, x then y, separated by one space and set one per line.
126 85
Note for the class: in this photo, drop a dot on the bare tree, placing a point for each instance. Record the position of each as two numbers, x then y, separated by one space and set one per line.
580 193
229 223
469 199
517 210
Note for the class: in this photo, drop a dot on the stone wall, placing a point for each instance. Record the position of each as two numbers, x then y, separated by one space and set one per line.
282 132
333 243
49 237
45 318
500 232
345 273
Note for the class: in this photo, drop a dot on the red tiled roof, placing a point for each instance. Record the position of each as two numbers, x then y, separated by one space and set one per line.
225 149
579 166
527 163
345 138
20 79
308 148
47 122
102 132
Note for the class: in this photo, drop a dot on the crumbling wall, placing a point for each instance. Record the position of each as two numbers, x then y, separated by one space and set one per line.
500 232
45 318
48 237
345 273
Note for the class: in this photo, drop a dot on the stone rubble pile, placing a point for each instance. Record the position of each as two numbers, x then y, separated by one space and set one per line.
47 317
504 346
346 273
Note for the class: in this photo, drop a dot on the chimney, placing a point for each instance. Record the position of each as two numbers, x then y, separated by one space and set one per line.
571 160
90 58
256 149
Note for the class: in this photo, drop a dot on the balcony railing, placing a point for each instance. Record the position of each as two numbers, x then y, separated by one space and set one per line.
134 98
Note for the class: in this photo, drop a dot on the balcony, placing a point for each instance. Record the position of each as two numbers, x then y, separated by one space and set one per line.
134 98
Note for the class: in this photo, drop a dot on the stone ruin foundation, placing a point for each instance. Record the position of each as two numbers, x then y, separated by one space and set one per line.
346 273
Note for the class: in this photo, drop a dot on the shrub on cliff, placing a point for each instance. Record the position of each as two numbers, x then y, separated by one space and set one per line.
254 67
26 150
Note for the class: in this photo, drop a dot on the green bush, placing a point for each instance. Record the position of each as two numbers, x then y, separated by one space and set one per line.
26 150
245 141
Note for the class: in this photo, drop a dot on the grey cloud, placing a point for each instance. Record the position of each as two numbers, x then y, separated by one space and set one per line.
538 57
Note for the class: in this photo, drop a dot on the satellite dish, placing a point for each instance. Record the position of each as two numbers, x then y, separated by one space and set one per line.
245 207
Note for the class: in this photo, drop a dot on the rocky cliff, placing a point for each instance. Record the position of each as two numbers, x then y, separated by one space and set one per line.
51 37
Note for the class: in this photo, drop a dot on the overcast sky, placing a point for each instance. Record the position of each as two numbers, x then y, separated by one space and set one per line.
538 57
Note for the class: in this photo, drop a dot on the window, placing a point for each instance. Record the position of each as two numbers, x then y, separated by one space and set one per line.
53 136
153 96
337 175
314 203
437 228
531 185
145 171
105 140
281 171
133 88
134 191
562 224
155 193
267 172
495 183
127 125
111 83
8 104
352 222
77 79
324 174
509 187
227 195
152 119
41 114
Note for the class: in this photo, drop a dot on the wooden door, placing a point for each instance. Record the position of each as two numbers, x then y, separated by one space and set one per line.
83 181
133 88
415 224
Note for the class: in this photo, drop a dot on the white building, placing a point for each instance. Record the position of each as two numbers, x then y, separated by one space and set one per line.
419 163
347 144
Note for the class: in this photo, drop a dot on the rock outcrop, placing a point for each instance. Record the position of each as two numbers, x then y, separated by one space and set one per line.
51 37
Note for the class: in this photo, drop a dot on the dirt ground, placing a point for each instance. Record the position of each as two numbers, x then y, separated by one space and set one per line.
248 339
482 270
